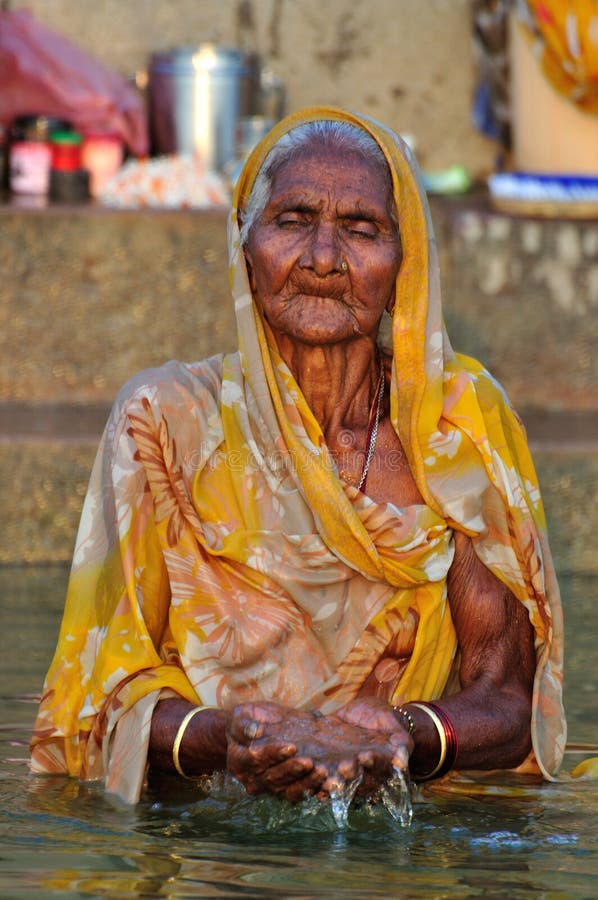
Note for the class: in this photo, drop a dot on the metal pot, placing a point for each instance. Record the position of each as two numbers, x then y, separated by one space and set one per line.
196 97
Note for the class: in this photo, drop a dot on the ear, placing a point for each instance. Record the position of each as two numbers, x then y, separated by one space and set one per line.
393 294
250 274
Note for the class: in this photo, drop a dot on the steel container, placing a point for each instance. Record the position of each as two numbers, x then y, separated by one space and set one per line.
197 95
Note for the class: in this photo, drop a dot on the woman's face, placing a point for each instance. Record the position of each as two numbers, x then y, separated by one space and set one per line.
326 207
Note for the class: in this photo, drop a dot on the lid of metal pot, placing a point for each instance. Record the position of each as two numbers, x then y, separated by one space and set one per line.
203 57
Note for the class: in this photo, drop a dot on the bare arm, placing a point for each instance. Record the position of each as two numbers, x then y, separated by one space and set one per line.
275 750
492 712
203 748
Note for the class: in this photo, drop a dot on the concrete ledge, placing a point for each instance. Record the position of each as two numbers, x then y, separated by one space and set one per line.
90 296
521 295
569 485
42 487
43 484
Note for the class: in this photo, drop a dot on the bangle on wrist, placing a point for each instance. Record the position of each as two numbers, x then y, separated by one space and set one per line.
449 744
179 737
407 716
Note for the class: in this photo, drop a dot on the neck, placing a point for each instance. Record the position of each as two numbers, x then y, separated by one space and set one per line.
338 381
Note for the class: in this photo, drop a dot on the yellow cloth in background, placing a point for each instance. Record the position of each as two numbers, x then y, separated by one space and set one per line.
565 37
221 558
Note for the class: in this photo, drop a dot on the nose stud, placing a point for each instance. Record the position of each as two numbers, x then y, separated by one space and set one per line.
344 265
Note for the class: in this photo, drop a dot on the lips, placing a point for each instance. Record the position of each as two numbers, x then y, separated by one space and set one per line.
326 288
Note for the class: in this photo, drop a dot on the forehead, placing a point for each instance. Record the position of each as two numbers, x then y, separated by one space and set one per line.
328 169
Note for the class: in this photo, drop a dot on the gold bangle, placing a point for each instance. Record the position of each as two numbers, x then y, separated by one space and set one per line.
441 735
180 734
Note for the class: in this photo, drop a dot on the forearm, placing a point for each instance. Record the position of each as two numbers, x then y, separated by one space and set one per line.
492 728
203 746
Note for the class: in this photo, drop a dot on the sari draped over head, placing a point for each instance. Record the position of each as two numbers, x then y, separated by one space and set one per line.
564 36
220 557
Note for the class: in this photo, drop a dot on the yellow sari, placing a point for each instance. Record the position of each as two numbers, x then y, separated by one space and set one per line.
221 558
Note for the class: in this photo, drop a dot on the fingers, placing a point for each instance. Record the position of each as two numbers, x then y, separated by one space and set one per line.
371 713
309 786
249 721
256 758
296 779
293 778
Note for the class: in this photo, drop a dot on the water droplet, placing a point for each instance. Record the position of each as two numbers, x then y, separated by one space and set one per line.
340 801
396 796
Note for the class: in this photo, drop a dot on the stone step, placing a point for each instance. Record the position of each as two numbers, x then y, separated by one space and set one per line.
88 297
563 431
46 454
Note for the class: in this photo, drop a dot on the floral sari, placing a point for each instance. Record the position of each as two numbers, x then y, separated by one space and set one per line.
220 557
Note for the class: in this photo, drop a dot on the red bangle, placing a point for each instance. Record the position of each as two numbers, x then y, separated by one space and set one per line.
449 743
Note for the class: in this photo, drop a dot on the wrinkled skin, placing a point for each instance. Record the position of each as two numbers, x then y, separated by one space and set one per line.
323 260
297 753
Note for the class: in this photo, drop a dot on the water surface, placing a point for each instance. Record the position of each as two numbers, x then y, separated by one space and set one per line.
498 838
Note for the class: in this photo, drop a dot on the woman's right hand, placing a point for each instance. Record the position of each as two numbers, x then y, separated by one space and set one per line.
298 753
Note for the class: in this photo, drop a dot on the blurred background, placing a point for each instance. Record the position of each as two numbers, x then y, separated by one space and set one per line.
403 61
122 129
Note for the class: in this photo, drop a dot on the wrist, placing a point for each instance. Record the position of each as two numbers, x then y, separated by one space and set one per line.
199 745
437 741
405 718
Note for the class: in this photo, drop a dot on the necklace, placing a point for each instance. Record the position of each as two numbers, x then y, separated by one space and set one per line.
374 421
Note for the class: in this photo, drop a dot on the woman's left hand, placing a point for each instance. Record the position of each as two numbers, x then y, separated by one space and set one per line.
375 714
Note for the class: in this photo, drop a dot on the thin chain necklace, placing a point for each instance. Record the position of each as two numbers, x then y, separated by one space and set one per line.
373 427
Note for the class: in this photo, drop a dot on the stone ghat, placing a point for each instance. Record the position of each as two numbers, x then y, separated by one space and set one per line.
90 296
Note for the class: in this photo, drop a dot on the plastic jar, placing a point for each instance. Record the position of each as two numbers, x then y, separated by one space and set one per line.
102 155
30 157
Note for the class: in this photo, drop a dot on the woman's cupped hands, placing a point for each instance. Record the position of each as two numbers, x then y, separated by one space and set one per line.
296 754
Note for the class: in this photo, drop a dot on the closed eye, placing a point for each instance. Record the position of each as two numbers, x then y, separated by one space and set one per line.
291 220
298 215
361 228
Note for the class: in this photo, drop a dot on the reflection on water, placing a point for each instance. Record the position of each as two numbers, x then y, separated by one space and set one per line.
499 837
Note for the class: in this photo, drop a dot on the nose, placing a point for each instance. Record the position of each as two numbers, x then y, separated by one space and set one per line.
323 253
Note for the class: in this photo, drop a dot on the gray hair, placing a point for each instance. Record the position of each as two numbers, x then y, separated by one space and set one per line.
341 136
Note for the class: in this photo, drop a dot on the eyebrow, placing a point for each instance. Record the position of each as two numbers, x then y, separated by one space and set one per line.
304 205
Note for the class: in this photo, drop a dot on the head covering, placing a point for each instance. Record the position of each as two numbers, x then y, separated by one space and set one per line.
466 447
221 558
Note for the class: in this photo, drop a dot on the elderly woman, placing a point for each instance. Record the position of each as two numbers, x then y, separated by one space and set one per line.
323 556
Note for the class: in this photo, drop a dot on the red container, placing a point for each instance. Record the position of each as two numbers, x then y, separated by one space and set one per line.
66 151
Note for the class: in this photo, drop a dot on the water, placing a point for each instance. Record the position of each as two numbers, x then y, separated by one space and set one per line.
501 837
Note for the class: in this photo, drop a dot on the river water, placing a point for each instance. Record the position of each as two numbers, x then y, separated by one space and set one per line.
497 837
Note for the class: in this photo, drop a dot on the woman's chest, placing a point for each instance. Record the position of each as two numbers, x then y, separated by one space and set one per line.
388 477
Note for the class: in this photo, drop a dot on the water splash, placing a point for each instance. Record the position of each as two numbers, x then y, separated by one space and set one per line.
396 797
340 801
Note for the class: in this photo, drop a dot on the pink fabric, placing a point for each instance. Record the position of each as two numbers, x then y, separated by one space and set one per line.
43 73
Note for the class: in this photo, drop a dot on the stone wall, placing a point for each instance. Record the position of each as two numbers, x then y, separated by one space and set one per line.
405 62
89 296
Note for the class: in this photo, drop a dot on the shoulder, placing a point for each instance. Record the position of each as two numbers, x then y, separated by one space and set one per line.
173 378
488 389
465 375
178 392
